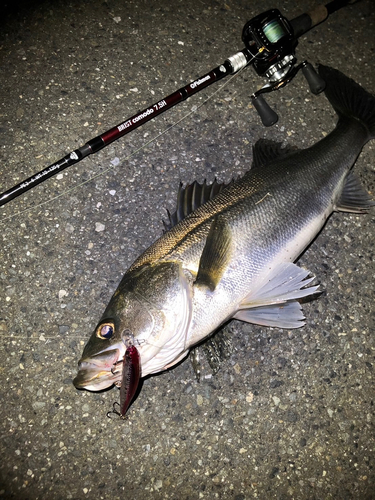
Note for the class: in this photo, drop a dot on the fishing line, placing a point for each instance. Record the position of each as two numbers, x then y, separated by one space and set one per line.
144 146
194 109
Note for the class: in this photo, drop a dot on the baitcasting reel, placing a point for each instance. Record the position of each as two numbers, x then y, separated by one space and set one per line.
271 43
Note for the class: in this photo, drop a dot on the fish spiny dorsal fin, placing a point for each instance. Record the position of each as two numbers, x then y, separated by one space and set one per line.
191 197
265 151
216 254
354 198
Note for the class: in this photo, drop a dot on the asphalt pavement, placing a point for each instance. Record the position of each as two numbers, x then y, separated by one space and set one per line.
289 414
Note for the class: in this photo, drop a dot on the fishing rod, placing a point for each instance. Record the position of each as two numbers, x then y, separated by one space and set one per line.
270 42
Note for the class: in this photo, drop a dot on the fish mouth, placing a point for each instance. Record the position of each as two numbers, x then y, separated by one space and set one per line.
98 372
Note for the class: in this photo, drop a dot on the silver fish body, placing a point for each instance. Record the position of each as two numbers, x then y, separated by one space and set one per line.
233 256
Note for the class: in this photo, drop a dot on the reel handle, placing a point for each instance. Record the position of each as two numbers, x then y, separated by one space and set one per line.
316 83
266 113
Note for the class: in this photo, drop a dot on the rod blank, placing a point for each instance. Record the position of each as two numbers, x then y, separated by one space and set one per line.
123 128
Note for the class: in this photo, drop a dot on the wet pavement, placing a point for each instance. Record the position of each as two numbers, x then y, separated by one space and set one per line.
290 414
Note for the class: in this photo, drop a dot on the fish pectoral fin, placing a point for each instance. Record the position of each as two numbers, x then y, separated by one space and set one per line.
287 315
354 198
216 254
274 303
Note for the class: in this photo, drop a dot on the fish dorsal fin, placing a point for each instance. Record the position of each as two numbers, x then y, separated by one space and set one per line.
216 254
190 197
265 151
354 198
275 302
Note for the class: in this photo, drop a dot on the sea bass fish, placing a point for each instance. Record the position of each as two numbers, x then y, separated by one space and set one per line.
231 251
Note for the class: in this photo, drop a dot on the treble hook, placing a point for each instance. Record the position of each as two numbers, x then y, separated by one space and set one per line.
114 411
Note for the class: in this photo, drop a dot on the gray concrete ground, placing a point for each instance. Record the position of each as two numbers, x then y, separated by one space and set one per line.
290 414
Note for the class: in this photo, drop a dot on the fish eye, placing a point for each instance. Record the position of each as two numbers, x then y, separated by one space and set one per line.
105 331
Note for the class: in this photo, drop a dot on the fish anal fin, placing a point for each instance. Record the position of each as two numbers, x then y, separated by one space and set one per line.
274 302
216 254
354 198
288 315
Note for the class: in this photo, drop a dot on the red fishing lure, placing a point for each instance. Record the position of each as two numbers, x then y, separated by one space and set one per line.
131 372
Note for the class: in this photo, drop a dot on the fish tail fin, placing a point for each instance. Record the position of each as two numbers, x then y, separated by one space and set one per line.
348 98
